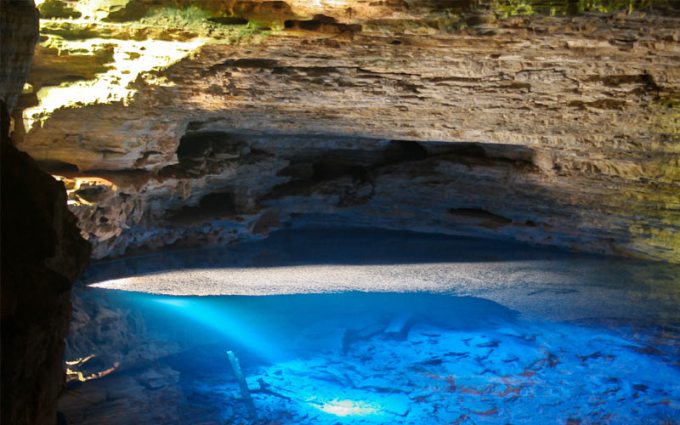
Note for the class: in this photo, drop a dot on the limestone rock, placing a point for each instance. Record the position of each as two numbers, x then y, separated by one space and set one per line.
560 130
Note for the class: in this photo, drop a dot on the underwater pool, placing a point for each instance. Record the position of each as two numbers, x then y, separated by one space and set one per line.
356 326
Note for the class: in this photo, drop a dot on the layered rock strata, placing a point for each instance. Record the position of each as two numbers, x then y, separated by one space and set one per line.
489 120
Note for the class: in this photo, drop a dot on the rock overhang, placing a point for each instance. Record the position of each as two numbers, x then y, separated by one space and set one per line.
600 136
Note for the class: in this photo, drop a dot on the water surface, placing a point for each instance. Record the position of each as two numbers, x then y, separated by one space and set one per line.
367 326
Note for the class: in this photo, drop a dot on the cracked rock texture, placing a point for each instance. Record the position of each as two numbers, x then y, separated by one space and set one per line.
486 120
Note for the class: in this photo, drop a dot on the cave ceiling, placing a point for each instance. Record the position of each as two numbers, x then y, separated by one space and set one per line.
205 121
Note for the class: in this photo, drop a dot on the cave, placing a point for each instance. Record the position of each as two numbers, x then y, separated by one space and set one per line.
340 212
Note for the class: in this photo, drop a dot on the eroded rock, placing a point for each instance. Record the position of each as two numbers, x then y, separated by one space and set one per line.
567 148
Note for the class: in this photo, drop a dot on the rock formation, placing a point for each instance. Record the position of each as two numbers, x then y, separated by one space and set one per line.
42 252
198 122
193 122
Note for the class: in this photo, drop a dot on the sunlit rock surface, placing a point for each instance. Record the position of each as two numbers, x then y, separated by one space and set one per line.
215 121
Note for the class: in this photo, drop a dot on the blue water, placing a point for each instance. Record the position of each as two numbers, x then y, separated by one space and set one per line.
603 347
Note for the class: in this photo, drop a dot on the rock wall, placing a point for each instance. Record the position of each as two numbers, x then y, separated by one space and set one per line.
542 121
42 252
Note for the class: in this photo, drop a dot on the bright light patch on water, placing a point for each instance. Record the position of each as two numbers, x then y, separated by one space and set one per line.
347 408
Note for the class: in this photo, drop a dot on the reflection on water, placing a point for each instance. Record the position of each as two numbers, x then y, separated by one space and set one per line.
597 343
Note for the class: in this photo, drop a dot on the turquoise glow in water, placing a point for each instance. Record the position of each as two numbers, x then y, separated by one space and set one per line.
548 337
455 359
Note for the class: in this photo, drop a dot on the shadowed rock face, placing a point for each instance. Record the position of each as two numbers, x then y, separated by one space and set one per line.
42 252
494 120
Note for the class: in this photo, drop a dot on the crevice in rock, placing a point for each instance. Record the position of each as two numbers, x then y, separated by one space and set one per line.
477 154
362 165
265 14
212 206
406 150
480 217
206 152
323 24
228 20
199 144
243 63
57 167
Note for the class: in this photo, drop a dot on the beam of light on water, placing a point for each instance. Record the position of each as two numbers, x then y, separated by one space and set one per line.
227 322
